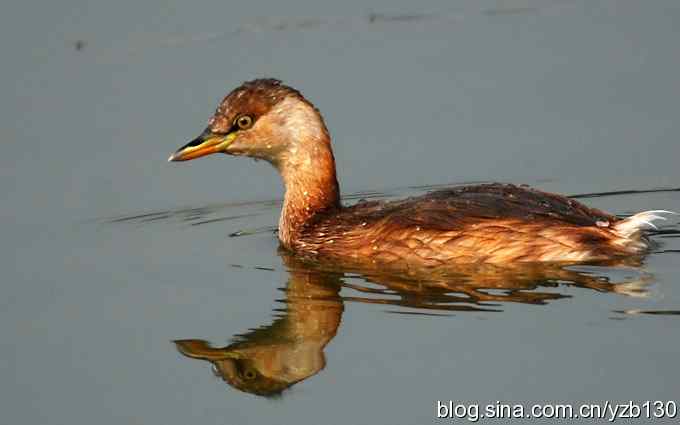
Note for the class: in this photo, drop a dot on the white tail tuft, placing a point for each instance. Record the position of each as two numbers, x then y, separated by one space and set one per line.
639 222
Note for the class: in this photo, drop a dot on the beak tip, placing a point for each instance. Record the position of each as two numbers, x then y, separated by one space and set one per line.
172 158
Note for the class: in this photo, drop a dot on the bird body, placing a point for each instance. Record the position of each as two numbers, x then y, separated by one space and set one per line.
493 223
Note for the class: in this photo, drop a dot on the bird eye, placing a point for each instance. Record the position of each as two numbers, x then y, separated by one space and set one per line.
244 122
249 374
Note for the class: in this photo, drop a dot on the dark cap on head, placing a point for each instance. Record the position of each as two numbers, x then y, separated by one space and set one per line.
254 98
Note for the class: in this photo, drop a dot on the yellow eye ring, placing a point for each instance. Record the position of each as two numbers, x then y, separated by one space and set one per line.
249 374
244 122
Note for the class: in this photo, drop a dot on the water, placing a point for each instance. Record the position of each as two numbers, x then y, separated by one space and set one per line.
109 253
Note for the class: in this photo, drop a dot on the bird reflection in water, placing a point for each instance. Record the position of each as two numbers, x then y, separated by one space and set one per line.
272 358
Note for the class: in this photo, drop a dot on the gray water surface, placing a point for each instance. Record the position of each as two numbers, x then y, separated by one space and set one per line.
109 253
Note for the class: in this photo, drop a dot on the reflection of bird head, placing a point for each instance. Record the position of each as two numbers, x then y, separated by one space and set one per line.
235 367
267 360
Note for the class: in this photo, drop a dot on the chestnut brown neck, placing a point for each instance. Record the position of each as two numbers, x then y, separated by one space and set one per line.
307 167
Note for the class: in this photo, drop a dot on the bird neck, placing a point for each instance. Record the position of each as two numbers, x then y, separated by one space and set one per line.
308 172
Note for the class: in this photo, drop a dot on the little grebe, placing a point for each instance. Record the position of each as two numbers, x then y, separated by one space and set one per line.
492 223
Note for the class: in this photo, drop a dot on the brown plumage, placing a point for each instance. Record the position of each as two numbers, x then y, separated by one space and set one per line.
492 223
489 223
